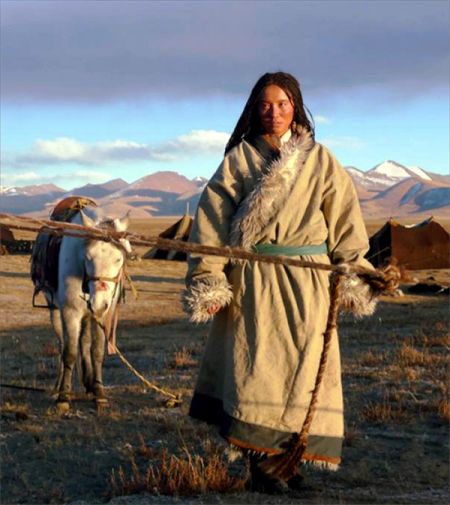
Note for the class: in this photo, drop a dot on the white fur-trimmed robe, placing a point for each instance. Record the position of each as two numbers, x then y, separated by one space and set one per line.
264 346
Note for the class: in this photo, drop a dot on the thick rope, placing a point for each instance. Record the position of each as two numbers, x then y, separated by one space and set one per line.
284 465
173 399
380 280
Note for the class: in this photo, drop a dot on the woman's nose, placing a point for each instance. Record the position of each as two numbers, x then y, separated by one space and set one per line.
273 111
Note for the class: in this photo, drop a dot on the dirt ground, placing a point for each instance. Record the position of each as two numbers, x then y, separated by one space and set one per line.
395 377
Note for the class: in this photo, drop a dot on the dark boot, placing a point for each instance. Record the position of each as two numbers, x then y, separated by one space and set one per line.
296 483
261 482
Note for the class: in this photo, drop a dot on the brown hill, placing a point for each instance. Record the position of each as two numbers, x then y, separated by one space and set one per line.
38 189
167 182
363 192
99 190
409 196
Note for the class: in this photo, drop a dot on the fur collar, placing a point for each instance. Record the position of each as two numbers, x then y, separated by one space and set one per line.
262 205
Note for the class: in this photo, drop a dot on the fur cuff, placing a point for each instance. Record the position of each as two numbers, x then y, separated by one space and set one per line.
203 293
357 297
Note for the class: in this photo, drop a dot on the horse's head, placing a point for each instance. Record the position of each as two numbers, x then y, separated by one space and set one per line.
104 265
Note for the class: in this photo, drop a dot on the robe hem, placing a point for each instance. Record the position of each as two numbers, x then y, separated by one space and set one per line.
260 439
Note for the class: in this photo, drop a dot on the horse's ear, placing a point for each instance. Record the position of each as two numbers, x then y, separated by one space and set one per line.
86 220
122 223
125 244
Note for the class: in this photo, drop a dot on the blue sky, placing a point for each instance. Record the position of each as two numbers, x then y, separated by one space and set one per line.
92 91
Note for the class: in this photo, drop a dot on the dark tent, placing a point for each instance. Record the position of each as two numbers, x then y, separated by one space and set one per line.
6 235
6 239
178 231
415 247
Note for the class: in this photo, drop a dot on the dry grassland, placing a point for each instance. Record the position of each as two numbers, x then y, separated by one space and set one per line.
395 373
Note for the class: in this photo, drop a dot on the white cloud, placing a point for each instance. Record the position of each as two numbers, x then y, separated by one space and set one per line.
65 150
24 177
319 119
203 141
66 178
343 142
60 149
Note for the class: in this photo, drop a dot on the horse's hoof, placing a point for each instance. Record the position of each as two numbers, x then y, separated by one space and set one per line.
62 406
101 404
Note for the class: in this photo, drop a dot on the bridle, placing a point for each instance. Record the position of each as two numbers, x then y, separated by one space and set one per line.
117 280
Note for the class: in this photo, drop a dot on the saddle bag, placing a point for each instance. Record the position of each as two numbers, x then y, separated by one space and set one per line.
45 255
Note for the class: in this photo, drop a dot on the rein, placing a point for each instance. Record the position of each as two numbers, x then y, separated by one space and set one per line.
115 279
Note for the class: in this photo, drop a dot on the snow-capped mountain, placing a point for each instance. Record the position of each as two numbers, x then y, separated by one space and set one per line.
388 189
7 190
200 181
408 197
385 175
420 172
33 190
390 172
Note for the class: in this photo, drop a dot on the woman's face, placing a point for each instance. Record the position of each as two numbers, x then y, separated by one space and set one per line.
275 110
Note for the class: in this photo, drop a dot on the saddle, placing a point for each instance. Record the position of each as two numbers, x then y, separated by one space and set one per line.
45 255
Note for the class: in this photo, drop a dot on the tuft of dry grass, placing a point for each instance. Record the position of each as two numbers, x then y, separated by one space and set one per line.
433 335
408 355
371 358
444 409
43 371
182 358
14 408
176 476
50 350
144 450
384 411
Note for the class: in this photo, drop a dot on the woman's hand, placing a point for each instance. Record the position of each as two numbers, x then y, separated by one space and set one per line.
214 308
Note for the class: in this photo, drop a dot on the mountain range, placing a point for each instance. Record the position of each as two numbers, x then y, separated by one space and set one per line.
387 190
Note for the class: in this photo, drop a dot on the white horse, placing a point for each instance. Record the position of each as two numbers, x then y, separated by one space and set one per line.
90 277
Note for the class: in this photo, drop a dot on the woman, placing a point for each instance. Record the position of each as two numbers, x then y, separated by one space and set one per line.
277 191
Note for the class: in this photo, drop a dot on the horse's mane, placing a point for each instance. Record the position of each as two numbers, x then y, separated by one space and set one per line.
96 214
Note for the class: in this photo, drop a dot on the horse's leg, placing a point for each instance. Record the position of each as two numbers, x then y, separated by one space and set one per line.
98 355
86 361
55 318
72 327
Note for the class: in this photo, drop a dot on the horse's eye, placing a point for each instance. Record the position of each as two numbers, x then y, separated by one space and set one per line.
118 260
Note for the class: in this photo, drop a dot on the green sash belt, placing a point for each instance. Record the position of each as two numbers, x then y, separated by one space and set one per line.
286 250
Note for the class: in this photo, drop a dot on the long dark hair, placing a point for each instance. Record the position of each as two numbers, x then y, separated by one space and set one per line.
249 122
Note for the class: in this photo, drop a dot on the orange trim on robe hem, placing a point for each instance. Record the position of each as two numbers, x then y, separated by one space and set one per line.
245 445
327 459
305 457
